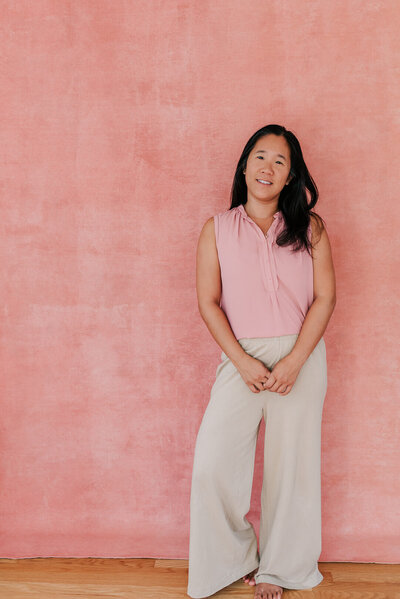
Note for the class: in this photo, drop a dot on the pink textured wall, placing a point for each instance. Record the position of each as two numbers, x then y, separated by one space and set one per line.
122 125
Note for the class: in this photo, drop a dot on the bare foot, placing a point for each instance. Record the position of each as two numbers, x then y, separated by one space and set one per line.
265 590
249 578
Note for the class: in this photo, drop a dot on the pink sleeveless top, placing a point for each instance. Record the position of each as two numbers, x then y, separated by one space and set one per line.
266 289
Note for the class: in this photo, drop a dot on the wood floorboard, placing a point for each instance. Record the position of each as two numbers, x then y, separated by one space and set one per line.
146 578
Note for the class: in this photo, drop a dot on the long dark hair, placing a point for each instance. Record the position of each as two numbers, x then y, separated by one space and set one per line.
292 201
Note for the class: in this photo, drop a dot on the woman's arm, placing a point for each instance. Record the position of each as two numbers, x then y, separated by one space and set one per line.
208 286
208 283
321 309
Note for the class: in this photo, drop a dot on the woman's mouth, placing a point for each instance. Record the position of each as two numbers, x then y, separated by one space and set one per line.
264 181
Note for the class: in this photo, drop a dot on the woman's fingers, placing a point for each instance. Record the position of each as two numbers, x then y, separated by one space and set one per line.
268 382
272 384
276 386
254 388
287 390
282 389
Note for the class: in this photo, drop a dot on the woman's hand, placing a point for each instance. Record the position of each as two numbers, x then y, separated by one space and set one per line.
259 378
283 375
253 372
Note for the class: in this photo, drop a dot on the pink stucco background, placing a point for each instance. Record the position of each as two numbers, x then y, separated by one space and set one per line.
122 123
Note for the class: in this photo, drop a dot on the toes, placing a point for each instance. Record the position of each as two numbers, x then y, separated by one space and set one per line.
249 578
267 593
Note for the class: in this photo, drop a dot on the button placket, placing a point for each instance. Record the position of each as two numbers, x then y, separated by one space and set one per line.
270 278
268 261
270 257
273 267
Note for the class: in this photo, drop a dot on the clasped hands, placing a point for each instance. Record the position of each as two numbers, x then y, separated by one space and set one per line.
259 378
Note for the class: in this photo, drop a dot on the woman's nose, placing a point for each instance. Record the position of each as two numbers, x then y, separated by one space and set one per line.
267 168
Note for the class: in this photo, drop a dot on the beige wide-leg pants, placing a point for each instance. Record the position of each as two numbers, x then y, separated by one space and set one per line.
223 543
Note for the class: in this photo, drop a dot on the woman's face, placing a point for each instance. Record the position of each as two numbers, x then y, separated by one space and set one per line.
269 160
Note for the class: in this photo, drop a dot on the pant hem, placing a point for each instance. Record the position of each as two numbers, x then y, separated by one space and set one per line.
228 580
286 584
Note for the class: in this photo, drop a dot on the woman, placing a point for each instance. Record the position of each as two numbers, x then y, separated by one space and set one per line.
266 295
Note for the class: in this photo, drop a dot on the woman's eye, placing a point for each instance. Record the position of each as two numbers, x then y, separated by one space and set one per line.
262 158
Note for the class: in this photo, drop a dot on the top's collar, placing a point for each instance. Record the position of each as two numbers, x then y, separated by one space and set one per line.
244 213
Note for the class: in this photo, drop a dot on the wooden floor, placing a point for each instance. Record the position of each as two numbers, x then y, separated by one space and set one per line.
92 578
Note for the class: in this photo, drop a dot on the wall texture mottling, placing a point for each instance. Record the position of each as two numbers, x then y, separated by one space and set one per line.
122 125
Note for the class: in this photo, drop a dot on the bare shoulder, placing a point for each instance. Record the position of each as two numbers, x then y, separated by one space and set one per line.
207 233
208 281
207 245
323 269
318 229
321 248
208 227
